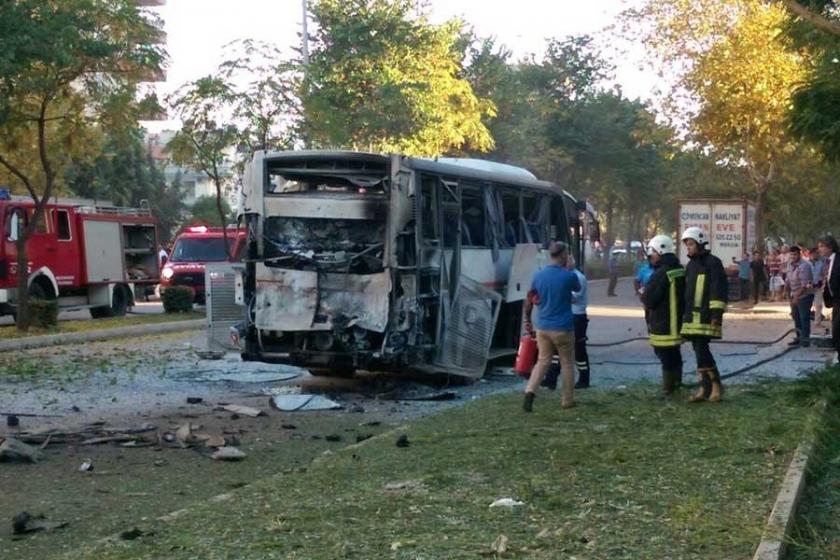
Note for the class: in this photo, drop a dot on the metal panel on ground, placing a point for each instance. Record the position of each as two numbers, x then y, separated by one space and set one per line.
222 310
103 251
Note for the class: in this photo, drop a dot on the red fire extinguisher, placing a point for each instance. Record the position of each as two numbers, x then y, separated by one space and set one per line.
526 356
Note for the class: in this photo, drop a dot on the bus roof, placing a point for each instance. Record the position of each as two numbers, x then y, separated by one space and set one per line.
487 171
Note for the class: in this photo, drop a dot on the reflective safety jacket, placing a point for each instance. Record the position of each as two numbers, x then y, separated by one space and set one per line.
705 296
664 300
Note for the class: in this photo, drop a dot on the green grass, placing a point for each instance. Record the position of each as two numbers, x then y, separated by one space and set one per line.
622 476
816 535
87 325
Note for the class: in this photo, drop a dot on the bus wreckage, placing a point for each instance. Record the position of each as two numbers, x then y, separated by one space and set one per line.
392 263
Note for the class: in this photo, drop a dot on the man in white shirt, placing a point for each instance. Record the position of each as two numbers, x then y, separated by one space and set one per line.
828 248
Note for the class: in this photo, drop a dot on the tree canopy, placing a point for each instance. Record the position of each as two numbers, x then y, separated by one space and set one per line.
383 78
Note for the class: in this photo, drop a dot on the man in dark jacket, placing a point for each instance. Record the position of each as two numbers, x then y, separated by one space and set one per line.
705 302
664 301
829 249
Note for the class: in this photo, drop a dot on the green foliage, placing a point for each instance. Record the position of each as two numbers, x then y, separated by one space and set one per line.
125 173
205 211
43 313
177 299
382 78
68 70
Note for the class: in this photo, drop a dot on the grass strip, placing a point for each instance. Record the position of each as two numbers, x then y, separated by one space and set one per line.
623 475
88 325
816 534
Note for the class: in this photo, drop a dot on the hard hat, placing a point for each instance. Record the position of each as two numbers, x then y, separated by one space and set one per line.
662 244
696 234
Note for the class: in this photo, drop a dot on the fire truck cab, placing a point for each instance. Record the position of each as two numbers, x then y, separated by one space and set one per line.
84 254
193 249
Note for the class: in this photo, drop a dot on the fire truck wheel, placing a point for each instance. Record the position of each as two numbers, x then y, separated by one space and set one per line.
37 291
118 307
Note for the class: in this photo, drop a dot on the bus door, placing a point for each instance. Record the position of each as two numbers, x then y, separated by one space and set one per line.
468 310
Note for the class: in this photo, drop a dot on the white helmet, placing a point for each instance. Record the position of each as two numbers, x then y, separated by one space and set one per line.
662 244
697 235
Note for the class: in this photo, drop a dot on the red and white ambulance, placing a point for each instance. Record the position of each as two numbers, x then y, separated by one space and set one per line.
194 248
84 254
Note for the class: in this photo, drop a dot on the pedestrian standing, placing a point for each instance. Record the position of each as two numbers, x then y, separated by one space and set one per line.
552 289
612 269
580 299
705 303
819 280
799 286
758 276
642 273
744 276
664 300
784 262
828 249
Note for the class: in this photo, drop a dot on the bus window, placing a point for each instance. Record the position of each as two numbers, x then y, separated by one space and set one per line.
510 215
474 230
558 219
431 229
535 212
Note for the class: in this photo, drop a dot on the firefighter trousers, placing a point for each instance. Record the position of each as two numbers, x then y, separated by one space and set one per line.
581 323
670 357
703 352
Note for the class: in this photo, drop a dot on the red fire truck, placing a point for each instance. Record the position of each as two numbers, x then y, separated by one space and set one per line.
84 254
195 247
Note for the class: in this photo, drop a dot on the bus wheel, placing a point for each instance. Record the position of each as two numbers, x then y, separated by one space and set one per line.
345 372
118 307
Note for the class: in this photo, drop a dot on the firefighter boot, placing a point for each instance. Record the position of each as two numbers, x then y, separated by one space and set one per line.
528 403
678 378
717 387
705 388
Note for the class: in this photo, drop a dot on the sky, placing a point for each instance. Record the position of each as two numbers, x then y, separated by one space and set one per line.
198 30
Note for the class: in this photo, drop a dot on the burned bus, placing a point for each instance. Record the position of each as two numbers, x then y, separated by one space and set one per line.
391 263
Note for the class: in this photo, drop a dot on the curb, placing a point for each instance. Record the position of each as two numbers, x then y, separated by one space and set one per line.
105 334
773 543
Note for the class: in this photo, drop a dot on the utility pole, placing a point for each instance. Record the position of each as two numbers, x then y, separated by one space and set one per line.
305 35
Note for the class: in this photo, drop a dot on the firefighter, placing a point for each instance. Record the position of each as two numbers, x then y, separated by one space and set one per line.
705 303
664 299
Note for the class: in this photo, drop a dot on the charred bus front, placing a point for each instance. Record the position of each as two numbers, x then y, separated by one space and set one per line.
364 261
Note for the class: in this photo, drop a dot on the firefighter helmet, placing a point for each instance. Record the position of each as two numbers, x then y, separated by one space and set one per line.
662 244
697 235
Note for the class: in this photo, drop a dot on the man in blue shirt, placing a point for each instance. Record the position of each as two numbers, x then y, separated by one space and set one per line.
551 291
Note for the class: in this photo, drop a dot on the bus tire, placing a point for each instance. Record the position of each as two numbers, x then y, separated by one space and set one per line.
118 307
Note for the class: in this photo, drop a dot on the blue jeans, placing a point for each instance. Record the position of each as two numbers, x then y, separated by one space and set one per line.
802 316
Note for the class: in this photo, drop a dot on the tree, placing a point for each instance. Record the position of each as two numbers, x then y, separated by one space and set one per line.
736 76
383 78
125 173
67 69
207 136
264 104
205 212
813 14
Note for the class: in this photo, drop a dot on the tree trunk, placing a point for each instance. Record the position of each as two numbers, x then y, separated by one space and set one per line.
760 205
222 216
23 320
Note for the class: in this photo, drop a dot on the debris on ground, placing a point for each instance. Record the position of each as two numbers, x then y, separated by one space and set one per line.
402 441
86 466
228 454
281 390
300 403
133 534
406 486
24 523
224 376
194 400
440 396
288 426
210 354
358 409
506 502
362 437
243 410
333 437
14 450
500 545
